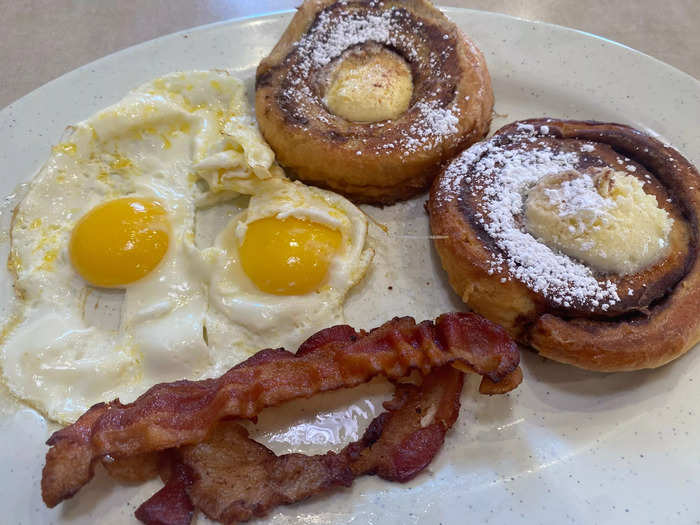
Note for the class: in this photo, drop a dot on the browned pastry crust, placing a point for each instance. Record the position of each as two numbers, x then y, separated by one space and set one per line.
385 161
656 319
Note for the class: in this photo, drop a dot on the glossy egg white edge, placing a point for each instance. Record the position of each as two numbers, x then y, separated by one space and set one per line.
567 443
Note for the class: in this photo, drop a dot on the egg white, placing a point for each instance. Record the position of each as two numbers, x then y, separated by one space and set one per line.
238 309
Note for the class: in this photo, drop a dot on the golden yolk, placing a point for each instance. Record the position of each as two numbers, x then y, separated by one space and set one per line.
120 241
288 256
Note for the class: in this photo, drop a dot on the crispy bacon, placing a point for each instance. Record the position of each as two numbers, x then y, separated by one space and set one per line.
401 442
185 412
234 478
171 505
132 469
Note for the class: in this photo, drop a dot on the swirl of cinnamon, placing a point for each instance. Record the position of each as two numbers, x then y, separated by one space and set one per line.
368 98
531 236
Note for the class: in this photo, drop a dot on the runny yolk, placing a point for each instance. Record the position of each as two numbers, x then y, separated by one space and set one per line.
288 256
120 241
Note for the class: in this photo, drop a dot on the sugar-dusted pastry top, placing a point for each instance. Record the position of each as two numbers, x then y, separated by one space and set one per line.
587 229
355 31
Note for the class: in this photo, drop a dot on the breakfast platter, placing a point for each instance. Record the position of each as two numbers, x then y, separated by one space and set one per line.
569 444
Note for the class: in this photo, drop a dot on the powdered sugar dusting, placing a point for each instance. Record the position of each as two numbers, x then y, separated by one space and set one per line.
335 32
431 124
343 32
503 177
579 200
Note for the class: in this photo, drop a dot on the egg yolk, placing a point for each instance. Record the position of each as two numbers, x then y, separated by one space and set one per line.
288 256
120 241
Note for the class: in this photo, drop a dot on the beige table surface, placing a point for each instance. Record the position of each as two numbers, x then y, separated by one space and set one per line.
42 39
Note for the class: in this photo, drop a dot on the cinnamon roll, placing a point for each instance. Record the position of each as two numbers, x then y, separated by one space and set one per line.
369 98
579 237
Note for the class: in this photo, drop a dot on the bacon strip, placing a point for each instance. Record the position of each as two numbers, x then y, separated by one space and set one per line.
235 479
171 505
132 469
401 442
185 412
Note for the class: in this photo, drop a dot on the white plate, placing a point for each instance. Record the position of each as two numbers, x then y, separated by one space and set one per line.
567 446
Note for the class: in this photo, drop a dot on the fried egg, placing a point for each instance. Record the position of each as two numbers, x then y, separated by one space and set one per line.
113 293
280 270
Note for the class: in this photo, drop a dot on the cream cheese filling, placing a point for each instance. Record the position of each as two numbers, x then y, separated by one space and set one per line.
601 217
369 84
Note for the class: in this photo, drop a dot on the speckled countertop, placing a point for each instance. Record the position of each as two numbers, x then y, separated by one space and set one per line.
42 39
